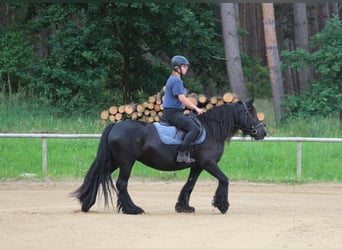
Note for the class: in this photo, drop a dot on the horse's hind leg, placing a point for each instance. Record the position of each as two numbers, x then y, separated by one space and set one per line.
124 201
182 205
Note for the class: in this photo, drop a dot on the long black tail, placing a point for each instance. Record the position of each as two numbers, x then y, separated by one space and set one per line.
98 174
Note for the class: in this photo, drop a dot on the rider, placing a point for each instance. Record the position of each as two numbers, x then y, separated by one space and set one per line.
174 102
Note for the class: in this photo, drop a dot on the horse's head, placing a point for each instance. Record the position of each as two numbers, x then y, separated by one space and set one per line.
249 122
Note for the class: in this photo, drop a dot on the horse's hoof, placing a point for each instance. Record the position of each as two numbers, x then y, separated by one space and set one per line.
85 208
184 209
136 210
223 207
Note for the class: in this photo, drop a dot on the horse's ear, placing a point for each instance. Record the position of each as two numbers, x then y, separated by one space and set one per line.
250 102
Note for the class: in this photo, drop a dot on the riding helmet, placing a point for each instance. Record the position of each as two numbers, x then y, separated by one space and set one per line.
179 60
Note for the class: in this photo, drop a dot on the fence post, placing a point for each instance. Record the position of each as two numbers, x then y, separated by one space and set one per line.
44 157
299 159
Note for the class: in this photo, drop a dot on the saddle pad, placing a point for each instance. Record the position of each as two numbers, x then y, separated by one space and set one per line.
169 135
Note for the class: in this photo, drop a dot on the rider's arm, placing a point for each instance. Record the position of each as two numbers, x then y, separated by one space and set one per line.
183 99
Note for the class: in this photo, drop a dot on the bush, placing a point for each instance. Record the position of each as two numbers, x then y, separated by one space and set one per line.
324 95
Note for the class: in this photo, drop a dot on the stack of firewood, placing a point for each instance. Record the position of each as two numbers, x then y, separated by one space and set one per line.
152 109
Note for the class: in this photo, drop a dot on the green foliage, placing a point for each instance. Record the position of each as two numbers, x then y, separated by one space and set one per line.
71 76
325 93
320 100
195 31
256 77
112 53
15 54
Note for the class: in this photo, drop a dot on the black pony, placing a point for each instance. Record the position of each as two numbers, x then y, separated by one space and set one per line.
128 141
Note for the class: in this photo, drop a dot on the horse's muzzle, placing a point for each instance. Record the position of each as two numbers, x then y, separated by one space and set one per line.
259 132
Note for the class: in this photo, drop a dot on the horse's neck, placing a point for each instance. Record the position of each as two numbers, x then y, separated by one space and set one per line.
221 123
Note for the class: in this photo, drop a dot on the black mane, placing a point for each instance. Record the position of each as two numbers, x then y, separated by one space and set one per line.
219 121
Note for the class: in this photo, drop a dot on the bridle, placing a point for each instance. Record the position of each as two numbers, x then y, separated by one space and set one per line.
253 130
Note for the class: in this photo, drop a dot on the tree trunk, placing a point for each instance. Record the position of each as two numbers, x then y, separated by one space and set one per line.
9 84
238 24
313 19
286 43
258 33
289 75
244 25
323 15
273 58
301 40
125 79
4 15
232 51
251 21
335 8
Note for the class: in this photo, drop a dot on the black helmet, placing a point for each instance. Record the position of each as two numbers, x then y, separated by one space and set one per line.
179 60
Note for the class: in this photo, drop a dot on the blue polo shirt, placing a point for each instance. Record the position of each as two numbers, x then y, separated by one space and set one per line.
174 87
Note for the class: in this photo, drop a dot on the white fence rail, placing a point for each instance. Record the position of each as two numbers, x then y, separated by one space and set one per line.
45 136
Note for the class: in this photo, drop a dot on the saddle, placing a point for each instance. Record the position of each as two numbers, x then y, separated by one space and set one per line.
171 135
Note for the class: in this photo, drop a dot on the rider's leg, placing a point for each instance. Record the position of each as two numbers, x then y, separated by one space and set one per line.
192 131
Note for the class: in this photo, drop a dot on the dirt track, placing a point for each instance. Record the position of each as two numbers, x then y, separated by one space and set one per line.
40 214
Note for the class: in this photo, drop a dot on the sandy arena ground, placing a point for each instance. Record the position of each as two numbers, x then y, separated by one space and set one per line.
41 215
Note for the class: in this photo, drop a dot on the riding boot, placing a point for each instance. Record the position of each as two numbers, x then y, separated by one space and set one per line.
184 157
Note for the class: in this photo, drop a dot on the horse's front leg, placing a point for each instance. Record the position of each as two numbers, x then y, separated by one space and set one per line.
182 205
221 195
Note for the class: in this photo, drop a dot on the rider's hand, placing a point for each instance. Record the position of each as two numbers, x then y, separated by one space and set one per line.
199 111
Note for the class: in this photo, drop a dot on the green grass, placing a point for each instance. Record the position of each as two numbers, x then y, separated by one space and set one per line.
277 162
251 161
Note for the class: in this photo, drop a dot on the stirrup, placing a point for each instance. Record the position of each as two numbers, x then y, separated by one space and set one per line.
185 157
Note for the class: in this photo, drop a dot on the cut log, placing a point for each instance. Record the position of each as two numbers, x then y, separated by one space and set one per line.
121 109
118 116
140 108
134 116
213 100
202 99
186 111
157 107
152 99
159 98
228 97
150 119
153 113
219 102
150 105
129 109
112 118
261 116
104 115
235 98
113 110
209 106
151 110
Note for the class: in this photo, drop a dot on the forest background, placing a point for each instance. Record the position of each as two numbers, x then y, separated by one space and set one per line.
82 58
